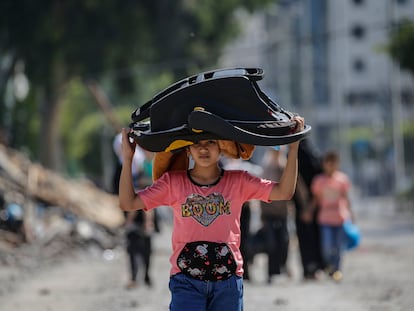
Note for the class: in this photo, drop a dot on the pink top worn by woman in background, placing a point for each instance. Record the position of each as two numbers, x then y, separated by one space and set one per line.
332 194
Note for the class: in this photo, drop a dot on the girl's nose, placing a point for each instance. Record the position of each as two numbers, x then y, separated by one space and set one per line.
202 145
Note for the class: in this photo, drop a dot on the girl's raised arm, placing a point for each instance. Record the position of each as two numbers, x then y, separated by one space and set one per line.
128 200
285 188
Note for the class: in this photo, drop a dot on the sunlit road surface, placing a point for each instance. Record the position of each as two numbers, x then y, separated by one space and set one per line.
377 276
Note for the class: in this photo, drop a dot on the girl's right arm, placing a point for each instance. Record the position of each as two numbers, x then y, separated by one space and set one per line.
128 200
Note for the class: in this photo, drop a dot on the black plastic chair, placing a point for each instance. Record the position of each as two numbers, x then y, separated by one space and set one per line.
221 104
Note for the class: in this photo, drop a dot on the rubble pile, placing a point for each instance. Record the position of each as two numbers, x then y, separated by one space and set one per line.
44 215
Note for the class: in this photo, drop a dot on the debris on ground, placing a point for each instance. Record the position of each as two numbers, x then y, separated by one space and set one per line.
44 215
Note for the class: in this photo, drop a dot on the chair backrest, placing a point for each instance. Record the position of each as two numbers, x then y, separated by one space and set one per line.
230 93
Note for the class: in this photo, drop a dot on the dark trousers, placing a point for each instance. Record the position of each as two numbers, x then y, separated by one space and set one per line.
276 239
139 246
309 247
245 237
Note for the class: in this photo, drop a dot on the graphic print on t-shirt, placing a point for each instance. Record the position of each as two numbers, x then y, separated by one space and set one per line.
205 209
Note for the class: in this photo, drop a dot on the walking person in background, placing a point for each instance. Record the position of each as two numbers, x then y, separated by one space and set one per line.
274 216
331 196
206 263
307 228
245 219
139 225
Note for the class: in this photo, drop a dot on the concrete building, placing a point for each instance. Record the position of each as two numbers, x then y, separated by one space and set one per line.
326 60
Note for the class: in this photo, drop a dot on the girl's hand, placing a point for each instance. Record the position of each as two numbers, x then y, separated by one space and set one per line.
300 126
128 146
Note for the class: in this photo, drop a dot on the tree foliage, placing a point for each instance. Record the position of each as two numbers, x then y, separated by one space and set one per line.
112 41
401 45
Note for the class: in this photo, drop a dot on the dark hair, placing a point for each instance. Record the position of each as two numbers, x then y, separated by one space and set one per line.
331 156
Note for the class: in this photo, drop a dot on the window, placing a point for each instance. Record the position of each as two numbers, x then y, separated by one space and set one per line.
358 2
407 96
358 65
361 97
358 31
401 1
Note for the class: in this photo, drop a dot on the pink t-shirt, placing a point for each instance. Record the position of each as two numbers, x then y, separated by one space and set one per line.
332 192
206 213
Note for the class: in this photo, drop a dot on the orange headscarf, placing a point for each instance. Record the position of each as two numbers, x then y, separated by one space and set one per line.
172 161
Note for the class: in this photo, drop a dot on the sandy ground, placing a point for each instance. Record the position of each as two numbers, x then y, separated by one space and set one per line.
377 276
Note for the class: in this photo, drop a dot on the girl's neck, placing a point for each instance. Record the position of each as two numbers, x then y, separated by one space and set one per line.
205 175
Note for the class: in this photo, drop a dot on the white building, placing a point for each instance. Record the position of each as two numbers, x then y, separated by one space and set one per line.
325 59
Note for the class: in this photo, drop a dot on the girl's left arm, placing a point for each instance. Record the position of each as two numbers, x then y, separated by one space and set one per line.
285 188
348 204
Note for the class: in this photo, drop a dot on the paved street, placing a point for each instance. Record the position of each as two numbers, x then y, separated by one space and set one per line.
377 276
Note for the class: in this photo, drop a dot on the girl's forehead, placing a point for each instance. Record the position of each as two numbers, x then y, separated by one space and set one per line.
205 141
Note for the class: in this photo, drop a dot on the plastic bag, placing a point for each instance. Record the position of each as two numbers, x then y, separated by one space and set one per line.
352 235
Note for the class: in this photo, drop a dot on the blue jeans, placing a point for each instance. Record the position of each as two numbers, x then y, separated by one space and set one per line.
332 242
195 295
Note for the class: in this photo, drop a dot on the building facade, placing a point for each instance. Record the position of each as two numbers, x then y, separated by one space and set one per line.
326 59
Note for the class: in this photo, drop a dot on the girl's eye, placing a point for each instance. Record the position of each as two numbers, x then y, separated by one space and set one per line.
211 142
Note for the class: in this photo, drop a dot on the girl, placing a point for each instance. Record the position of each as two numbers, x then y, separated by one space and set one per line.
331 196
206 263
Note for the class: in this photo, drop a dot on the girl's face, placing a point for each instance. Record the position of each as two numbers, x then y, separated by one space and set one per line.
205 152
329 167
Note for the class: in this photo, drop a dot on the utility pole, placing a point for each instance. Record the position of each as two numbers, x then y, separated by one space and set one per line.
397 135
396 110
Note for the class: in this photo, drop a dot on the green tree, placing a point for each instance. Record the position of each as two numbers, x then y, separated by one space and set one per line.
401 45
58 41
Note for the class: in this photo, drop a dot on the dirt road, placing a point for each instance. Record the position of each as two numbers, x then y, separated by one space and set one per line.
377 276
